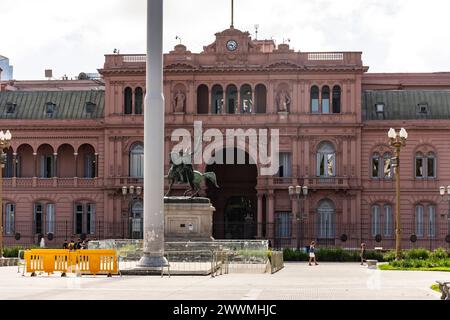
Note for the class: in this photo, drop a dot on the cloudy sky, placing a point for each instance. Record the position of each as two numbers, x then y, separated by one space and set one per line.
71 36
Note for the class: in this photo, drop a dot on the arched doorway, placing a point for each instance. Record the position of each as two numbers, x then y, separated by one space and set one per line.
235 201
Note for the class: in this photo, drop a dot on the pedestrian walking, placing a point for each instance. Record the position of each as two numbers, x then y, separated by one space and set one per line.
362 253
65 245
312 254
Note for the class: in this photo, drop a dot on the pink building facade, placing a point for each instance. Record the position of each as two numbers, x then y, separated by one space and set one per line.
75 164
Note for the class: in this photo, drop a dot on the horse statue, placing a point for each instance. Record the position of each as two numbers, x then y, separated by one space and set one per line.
185 173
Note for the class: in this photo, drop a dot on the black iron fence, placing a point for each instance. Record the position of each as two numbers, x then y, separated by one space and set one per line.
286 234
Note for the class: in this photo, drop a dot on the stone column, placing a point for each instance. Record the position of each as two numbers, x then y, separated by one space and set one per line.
270 103
238 110
55 168
14 165
35 164
253 100
154 142
76 164
96 165
209 100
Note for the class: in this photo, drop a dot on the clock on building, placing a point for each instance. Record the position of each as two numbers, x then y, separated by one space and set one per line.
231 45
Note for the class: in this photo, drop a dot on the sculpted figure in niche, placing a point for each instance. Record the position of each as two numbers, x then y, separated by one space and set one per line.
178 101
283 100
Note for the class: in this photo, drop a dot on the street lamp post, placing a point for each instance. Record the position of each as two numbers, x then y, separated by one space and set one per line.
442 191
397 140
5 140
295 193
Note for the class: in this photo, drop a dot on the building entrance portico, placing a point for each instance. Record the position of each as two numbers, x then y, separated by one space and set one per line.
235 201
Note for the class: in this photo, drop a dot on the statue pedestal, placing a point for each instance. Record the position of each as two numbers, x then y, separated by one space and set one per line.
188 219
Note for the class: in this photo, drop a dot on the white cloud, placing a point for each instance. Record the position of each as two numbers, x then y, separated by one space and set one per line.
73 36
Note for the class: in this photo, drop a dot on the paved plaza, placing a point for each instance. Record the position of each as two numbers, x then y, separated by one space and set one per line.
297 281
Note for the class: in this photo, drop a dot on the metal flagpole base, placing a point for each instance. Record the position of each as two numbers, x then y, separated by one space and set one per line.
152 261
148 265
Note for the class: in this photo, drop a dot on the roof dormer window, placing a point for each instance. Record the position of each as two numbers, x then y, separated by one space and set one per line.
90 107
10 107
423 109
379 109
50 108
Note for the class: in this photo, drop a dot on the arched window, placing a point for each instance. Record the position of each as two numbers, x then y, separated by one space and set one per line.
336 99
425 165
25 162
261 98
46 156
387 167
246 99
326 219
128 98
325 99
217 99
86 166
375 165
314 99
326 160
376 220
138 99
231 99
202 99
137 161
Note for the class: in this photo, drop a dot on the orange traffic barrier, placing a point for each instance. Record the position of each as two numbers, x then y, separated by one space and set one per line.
95 261
79 261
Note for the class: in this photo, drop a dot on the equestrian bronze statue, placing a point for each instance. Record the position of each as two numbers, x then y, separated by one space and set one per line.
184 172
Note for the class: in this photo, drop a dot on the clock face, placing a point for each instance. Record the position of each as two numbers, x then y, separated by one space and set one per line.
231 45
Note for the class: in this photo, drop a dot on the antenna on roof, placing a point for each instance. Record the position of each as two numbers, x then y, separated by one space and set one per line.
256 31
286 40
178 38
116 51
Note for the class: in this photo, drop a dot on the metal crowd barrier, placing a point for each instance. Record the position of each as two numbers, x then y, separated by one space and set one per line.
79 261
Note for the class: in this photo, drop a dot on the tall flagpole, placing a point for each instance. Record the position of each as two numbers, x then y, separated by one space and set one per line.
232 14
154 142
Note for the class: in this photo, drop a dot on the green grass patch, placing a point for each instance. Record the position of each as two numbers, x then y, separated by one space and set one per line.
389 267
